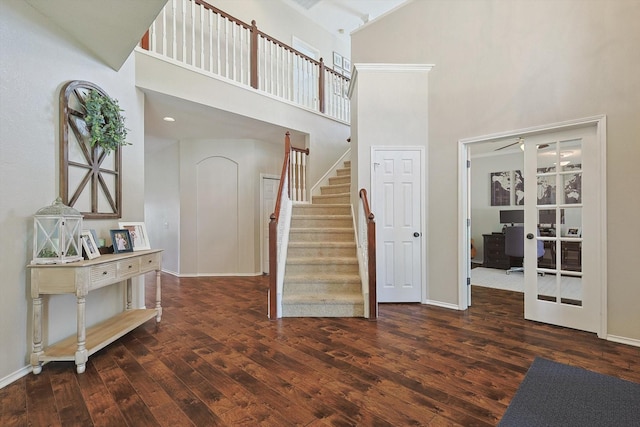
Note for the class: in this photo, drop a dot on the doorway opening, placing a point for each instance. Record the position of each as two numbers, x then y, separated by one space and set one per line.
545 168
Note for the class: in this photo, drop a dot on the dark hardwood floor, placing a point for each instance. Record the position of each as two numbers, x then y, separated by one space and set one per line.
215 359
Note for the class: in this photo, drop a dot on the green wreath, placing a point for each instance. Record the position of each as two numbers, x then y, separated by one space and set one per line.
104 121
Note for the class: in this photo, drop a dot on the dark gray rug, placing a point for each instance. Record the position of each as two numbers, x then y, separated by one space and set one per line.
554 394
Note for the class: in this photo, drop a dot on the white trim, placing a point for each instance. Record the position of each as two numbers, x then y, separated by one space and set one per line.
599 122
391 68
15 376
442 304
622 340
424 206
387 68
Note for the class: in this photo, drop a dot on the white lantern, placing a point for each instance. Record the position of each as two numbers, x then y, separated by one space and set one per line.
56 234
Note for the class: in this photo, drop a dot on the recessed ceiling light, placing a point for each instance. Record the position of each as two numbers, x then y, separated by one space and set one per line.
168 119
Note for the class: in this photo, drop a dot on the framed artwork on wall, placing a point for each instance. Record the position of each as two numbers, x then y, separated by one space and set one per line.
500 188
337 60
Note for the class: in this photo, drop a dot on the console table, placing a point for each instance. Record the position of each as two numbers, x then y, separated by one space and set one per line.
80 278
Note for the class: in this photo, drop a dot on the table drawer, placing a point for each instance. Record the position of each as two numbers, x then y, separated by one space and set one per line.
127 268
150 262
101 274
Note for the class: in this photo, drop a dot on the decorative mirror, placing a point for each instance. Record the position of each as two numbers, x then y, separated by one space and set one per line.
90 178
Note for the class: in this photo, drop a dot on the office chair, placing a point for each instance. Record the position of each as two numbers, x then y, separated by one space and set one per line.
514 244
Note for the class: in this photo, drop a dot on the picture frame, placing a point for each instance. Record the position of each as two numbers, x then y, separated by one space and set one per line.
137 234
346 65
574 232
337 60
121 241
500 184
89 244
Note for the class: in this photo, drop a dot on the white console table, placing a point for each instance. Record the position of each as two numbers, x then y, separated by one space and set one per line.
80 278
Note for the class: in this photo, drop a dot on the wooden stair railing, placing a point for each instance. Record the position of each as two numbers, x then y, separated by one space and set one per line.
284 193
371 256
246 55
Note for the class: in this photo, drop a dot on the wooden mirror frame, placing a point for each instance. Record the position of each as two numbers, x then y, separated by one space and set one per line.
73 93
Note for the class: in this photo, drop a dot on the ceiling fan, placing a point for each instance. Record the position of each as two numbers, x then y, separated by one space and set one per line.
520 140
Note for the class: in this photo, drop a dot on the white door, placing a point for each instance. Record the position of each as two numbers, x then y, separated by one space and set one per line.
563 200
397 204
269 196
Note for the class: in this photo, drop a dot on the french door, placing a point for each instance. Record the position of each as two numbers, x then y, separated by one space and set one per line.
563 214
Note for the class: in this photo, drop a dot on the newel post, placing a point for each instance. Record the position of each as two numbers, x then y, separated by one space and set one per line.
144 43
321 87
254 55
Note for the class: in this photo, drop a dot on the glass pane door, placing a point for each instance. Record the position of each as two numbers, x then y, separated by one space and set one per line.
562 228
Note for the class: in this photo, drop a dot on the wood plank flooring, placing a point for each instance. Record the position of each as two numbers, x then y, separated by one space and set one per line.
215 359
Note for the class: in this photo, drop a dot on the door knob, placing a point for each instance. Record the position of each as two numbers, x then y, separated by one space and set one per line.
530 236
416 234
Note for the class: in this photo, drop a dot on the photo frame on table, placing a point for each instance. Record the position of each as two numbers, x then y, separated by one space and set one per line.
121 241
89 244
138 234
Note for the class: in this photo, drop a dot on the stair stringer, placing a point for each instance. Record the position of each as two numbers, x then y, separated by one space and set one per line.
284 227
324 180
361 253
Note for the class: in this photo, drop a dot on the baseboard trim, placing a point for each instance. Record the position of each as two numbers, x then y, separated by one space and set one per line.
442 304
214 274
15 376
624 340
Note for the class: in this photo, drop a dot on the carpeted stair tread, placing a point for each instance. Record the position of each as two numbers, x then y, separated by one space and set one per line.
333 298
323 260
323 278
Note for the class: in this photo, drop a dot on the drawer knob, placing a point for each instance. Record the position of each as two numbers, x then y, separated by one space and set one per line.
150 261
104 273
130 266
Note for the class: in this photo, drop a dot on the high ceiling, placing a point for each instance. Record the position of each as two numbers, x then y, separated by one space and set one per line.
341 17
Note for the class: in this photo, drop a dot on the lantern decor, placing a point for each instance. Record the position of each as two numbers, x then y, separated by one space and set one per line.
56 234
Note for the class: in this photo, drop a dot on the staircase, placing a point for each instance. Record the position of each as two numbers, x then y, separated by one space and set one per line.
322 277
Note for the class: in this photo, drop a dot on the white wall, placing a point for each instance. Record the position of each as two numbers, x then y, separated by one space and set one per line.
504 65
162 200
283 22
37 59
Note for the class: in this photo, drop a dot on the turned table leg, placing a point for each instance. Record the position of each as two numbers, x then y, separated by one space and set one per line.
81 356
37 336
158 297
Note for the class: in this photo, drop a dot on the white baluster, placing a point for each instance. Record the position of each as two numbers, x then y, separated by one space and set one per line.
174 36
202 12
303 177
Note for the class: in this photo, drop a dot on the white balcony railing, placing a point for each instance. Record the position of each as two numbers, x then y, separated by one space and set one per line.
196 34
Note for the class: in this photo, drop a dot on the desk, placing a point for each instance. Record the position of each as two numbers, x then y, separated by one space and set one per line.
80 278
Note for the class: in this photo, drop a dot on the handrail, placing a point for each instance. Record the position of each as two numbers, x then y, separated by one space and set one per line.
273 233
371 254
200 35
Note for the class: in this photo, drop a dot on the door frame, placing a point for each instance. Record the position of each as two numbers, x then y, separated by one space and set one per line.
423 207
263 176
464 144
